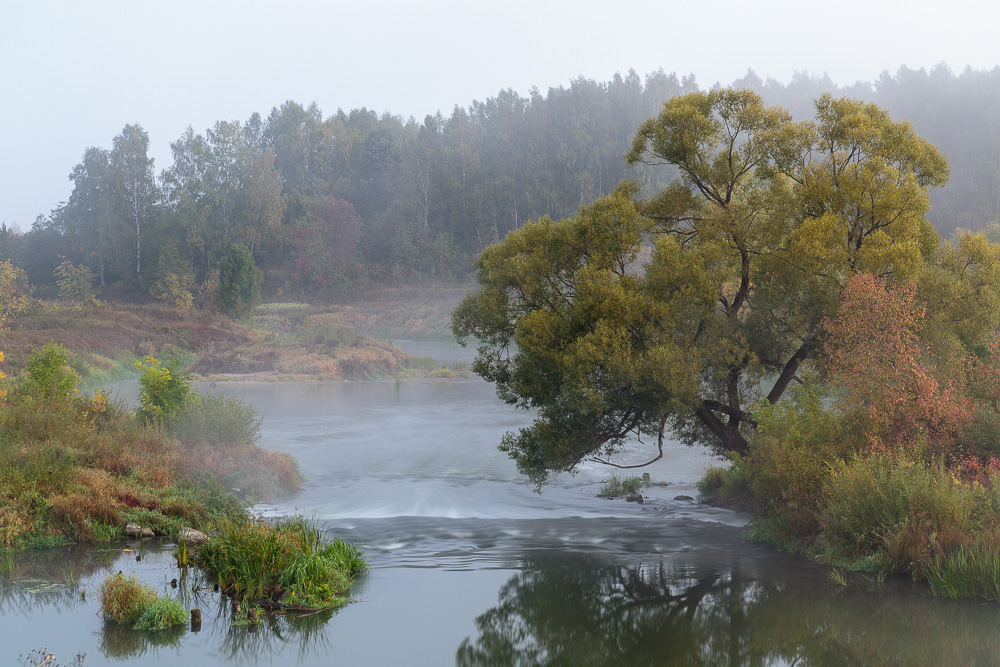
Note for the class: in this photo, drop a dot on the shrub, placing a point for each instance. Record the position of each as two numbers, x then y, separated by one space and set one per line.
239 282
174 290
49 372
166 389
788 460
217 420
76 283
715 479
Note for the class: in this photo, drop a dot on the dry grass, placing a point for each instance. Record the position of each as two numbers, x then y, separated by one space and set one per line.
79 469
104 340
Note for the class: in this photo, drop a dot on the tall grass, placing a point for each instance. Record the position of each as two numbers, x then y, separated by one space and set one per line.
161 614
968 571
285 561
128 601
123 599
6 562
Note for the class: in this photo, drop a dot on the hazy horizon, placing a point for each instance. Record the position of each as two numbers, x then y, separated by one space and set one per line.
75 75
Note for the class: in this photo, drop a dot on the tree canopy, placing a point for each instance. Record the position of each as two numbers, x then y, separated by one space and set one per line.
685 311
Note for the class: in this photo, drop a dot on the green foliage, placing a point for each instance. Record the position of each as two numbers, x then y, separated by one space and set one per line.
217 420
166 390
285 560
161 614
788 463
239 282
76 283
49 372
124 599
616 486
906 514
572 323
967 572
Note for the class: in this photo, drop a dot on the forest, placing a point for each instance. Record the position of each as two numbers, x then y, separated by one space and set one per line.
330 205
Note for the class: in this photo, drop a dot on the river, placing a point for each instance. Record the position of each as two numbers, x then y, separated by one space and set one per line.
471 567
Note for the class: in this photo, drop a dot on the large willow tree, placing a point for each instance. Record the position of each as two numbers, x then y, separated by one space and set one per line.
684 311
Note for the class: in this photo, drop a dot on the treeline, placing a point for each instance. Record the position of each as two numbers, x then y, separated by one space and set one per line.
330 204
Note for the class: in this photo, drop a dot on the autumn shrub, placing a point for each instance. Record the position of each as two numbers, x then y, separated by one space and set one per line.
896 389
76 283
788 461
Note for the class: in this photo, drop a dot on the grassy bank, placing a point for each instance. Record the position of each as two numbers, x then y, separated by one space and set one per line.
79 467
817 489
282 341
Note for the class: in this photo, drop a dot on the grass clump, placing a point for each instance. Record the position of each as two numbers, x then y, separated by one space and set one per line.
127 601
123 599
286 562
617 486
162 614
967 572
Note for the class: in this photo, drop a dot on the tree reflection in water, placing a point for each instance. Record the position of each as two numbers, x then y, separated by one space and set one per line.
577 611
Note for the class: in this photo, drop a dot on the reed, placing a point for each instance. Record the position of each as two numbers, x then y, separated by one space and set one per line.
966 572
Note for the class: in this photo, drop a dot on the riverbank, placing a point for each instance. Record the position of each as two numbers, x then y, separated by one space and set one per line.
77 467
815 490
280 342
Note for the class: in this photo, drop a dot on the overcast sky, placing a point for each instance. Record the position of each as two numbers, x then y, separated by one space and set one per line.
74 72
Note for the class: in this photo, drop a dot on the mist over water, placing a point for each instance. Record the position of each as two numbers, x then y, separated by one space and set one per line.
470 566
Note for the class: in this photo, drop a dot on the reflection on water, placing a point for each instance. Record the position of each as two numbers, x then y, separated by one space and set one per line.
469 565
580 611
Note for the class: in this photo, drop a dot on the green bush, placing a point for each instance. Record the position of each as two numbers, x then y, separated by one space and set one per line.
217 420
49 372
789 457
239 282
161 614
166 389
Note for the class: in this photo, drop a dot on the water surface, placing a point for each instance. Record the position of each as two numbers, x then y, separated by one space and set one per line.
470 566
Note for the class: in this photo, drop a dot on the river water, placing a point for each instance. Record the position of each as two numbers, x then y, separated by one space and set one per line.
471 567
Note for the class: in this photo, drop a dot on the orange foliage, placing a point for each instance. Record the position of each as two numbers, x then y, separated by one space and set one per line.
875 355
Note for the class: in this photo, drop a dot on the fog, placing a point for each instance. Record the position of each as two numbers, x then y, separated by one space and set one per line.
74 74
